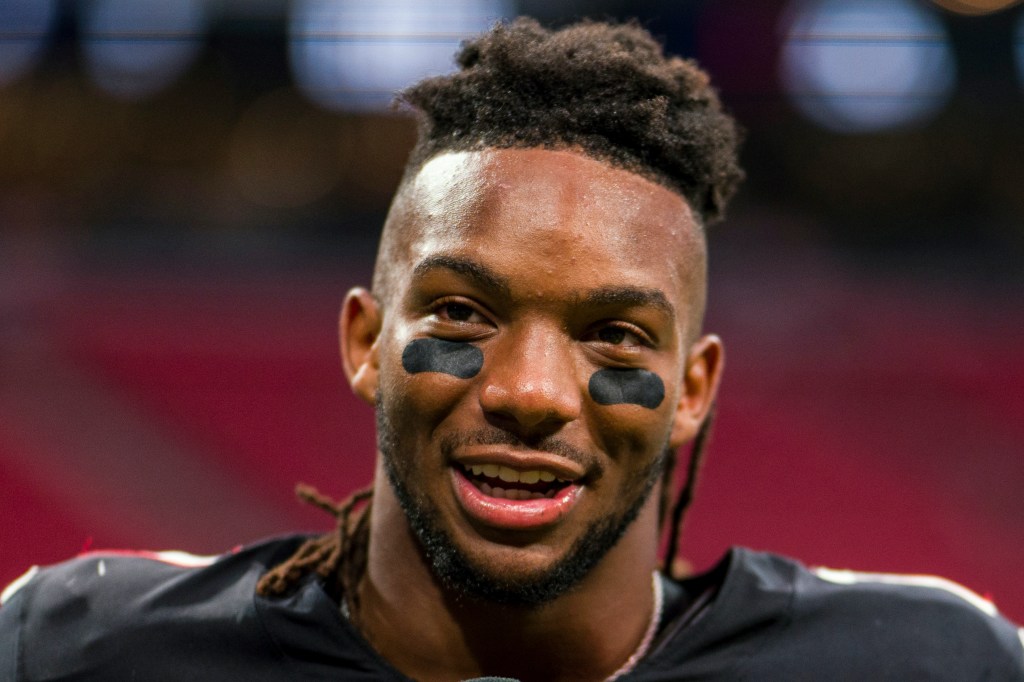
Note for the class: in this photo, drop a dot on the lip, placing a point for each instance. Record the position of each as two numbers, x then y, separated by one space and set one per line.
521 460
508 514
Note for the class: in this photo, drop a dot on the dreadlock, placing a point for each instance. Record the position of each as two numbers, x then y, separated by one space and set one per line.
673 513
339 557
607 90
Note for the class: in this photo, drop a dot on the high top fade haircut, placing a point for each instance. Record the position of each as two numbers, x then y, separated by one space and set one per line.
606 89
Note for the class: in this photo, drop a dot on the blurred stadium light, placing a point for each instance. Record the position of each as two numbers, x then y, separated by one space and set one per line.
24 29
975 6
857 66
354 55
135 48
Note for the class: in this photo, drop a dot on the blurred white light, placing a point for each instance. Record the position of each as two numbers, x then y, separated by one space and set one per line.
24 28
865 65
135 48
354 54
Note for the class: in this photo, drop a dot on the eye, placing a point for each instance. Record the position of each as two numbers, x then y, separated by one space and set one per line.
457 312
613 335
621 334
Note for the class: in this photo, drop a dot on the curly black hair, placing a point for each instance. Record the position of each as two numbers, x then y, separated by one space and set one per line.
606 89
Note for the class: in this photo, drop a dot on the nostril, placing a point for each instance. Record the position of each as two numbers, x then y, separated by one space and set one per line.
529 407
532 381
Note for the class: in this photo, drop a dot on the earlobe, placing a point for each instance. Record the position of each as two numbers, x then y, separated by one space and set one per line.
359 327
700 386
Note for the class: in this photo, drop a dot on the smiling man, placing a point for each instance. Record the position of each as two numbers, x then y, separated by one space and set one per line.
532 346
532 363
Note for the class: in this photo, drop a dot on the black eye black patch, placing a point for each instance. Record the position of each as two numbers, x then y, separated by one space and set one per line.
459 359
617 386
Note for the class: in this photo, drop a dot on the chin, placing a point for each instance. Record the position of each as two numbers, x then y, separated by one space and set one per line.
468 564
507 574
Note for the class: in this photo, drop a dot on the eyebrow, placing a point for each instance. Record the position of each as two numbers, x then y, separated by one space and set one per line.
629 296
488 278
481 274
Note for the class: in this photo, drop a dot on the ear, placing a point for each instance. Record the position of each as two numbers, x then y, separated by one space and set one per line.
700 386
359 328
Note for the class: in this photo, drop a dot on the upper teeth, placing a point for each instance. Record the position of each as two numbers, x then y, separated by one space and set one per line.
511 475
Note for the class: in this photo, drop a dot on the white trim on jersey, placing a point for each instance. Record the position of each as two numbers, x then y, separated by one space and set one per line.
172 557
845 577
185 559
18 583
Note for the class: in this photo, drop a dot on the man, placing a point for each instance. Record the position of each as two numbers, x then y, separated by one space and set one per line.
533 348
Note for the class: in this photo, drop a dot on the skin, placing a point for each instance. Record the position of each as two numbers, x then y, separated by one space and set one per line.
555 232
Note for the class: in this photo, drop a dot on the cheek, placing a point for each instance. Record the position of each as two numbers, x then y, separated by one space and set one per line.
617 386
425 382
461 360
631 413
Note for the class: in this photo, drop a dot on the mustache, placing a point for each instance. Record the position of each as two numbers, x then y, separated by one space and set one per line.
451 442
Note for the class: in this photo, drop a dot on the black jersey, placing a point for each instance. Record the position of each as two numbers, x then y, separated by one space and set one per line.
171 616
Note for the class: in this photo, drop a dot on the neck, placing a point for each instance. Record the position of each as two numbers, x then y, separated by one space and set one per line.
430 633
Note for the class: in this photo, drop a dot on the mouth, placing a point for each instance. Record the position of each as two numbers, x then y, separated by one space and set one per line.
513 499
507 483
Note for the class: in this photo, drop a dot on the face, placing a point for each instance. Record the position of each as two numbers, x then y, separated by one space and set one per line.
533 358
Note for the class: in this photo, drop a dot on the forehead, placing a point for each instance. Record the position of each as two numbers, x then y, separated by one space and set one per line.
549 212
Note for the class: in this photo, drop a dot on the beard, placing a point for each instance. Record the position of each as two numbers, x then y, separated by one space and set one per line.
456 571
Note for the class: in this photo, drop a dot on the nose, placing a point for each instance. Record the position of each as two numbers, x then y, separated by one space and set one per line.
530 384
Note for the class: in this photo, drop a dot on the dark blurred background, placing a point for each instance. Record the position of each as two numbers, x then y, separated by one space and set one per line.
188 188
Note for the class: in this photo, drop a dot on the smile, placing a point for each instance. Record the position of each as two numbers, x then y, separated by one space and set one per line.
504 482
502 497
